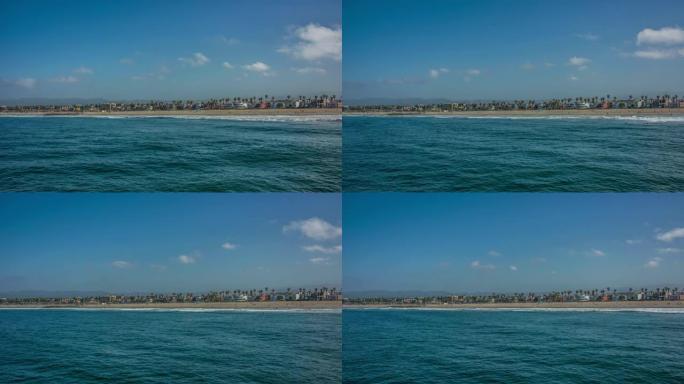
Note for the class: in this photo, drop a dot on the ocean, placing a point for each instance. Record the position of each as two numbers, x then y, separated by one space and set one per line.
535 154
505 346
181 346
179 153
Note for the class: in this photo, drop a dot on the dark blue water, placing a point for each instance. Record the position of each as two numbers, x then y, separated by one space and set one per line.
170 154
411 346
67 346
504 154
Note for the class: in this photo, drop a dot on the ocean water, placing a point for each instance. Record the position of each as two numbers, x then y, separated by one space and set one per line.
438 346
94 346
419 153
218 154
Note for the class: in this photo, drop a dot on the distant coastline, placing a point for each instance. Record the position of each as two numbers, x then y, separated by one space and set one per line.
265 305
208 112
554 305
524 113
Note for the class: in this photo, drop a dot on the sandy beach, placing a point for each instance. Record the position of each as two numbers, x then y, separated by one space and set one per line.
558 112
270 305
217 112
588 305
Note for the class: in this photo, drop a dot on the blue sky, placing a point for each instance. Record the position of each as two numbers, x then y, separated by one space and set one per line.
168 242
512 242
169 49
466 50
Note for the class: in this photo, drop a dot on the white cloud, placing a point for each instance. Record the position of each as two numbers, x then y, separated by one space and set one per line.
322 249
549 65
435 73
158 267
26 82
654 262
316 42
319 260
257 67
229 40
314 228
473 72
477 265
310 70
126 61
669 250
664 36
540 259
632 241
657 54
227 65
83 70
121 264
64 79
494 253
578 61
587 36
228 246
574 78
197 59
596 252
670 235
185 259
513 268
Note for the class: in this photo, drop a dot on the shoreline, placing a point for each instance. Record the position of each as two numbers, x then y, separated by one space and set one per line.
213 112
570 305
554 112
254 305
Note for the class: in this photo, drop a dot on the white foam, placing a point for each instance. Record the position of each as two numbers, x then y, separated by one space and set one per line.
523 309
256 118
636 118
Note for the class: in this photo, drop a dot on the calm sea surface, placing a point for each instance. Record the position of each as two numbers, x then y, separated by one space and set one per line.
171 154
405 346
81 346
513 154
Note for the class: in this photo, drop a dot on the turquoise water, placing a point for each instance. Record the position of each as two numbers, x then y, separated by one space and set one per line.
403 346
216 154
513 154
89 346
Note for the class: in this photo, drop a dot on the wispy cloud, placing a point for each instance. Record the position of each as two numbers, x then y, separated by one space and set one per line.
187 259
25 82
320 260
83 70
573 78
121 264
662 36
126 61
477 265
581 63
494 253
229 40
671 235
632 241
322 249
527 66
659 54
228 246
513 268
315 42
654 262
669 250
310 70
596 252
259 67
227 65
197 59
64 79
314 228
435 73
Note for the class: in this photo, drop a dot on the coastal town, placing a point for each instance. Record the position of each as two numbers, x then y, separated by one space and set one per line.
577 296
265 102
606 102
235 296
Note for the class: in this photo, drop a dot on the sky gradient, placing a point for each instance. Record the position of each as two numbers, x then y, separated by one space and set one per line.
470 50
169 49
511 242
168 242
